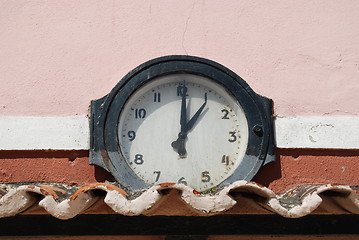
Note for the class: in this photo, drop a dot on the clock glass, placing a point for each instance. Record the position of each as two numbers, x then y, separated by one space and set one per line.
183 128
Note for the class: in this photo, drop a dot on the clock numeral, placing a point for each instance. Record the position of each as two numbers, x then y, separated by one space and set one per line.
226 112
225 160
140 113
182 181
131 135
180 90
158 174
138 159
205 177
232 137
157 97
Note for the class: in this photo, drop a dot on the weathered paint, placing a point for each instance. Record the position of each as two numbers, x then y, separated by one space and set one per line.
295 203
57 56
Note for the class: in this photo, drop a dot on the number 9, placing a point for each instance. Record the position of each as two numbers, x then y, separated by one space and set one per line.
131 135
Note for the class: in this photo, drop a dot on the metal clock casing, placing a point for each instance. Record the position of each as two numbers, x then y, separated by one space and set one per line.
106 150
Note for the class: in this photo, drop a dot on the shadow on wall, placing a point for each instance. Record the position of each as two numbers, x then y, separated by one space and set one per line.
102 175
266 175
309 166
269 173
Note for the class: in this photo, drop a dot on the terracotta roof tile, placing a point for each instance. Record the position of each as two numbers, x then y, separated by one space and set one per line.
66 201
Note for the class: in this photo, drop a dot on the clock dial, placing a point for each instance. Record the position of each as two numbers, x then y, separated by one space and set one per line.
183 128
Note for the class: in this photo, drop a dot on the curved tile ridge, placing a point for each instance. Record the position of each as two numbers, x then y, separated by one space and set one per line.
17 200
67 208
222 201
303 200
66 201
134 207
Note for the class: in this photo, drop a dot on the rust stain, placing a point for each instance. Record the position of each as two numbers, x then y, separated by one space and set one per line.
292 193
54 188
105 157
46 193
45 189
166 184
96 186
196 192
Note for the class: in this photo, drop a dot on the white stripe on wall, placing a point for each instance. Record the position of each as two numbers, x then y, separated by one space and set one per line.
72 133
37 133
318 132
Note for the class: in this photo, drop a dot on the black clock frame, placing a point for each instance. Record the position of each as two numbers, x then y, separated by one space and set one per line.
105 149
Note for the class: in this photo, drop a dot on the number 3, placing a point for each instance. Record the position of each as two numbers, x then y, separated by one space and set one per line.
232 137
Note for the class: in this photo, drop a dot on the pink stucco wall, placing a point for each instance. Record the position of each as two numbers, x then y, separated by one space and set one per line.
58 55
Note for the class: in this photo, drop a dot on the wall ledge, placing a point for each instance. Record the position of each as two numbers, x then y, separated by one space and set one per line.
72 133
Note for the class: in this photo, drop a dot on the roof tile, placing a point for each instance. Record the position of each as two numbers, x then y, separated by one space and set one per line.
66 201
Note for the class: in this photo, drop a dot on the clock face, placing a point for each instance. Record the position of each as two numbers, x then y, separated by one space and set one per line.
183 128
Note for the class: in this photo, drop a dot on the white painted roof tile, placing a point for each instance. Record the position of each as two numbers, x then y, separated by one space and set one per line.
66 201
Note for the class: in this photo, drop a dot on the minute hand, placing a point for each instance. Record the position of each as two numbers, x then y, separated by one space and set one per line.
195 117
183 117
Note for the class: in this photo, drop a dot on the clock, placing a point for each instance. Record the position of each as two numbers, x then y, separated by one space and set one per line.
181 119
183 128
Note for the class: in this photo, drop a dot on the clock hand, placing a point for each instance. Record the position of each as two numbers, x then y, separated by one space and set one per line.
183 119
179 144
195 117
